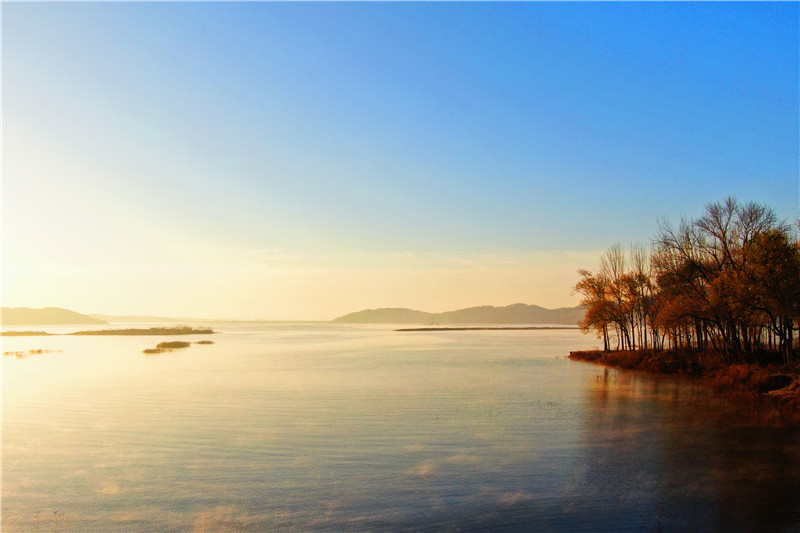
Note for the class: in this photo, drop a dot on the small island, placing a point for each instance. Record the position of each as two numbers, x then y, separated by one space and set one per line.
26 333
168 346
172 330
175 330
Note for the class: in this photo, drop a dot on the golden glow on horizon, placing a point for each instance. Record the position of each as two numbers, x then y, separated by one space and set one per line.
257 284
92 250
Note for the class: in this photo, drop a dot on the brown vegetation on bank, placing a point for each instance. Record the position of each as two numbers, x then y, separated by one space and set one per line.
767 389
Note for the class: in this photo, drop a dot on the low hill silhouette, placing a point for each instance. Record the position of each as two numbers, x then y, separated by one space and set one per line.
16 316
486 314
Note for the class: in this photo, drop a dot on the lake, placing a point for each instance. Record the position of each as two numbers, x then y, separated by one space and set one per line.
327 427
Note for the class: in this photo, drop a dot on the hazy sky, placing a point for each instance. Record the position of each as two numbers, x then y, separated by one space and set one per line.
304 160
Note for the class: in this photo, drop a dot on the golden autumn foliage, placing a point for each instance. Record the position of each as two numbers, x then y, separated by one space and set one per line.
728 281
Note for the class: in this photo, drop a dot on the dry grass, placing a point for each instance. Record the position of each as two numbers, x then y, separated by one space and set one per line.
685 363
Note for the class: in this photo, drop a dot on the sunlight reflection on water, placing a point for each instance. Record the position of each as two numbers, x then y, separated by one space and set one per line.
326 427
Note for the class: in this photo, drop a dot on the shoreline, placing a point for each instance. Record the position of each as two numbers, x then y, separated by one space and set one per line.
487 328
770 392
177 330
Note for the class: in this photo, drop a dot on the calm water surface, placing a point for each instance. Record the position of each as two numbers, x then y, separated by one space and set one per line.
331 428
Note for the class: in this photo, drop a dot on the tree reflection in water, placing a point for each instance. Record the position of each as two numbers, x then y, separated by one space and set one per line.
669 445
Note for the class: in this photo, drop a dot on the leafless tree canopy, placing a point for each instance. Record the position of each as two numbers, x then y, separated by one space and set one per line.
729 280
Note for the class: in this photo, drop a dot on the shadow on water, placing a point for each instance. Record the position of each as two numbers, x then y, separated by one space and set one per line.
668 444
653 454
659 454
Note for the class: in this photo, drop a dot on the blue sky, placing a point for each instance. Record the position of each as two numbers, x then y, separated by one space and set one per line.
164 147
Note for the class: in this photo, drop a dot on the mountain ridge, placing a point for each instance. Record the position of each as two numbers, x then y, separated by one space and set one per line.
18 316
485 314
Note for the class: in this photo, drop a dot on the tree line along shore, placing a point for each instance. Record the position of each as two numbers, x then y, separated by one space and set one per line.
716 297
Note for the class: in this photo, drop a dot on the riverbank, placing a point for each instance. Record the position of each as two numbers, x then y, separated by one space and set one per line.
770 393
487 328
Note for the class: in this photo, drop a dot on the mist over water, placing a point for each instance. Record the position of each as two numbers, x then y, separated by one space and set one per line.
333 427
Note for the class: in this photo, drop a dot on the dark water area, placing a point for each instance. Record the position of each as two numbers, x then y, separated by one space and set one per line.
320 427
703 468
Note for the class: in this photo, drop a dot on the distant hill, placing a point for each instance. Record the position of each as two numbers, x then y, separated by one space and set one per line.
388 316
487 314
17 316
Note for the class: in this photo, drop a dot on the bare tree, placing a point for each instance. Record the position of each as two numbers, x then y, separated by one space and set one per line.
729 280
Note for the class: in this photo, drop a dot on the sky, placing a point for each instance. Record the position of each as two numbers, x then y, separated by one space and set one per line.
299 161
